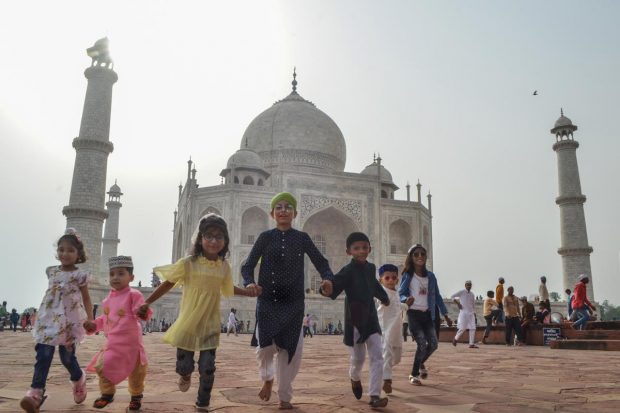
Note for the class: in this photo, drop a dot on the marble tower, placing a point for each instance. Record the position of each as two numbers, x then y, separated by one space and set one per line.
575 250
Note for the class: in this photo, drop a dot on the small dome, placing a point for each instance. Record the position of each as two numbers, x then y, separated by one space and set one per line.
246 158
371 169
115 190
563 121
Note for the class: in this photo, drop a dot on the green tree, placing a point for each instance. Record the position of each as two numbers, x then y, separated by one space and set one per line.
555 296
609 312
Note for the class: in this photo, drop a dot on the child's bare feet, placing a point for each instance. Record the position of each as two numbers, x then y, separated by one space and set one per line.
285 405
265 392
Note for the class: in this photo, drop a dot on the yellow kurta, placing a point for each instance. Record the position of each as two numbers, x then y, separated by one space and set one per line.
203 281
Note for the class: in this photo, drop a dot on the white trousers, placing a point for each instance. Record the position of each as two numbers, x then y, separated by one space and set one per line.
391 357
231 328
472 335
284 371
358 354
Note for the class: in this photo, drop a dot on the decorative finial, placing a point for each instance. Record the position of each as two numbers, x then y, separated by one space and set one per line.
294 82
374 157
561 111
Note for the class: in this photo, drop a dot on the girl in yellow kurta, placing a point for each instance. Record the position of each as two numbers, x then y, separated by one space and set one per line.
204 276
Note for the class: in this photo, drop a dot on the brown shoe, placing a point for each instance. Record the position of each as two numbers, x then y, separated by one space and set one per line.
356 386
387 386
376 401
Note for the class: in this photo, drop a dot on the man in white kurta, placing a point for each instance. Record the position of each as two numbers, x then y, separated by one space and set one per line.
232 322
466 300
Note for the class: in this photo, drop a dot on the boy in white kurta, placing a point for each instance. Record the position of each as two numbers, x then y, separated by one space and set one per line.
390 320
466 301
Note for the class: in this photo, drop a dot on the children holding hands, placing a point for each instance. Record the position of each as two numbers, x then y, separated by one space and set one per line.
123 356
362 331
205 276
65 307
390 320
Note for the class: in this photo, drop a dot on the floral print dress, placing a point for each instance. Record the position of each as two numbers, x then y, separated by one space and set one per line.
61 315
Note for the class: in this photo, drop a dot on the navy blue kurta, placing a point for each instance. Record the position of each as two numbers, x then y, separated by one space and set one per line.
361 287
280 307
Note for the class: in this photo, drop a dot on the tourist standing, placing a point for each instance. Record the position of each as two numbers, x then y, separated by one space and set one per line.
123 356
307 323
205 276
64 308
569 303
14 318
232 323
499 298
513 317
418 289
362 332
581 303
466 301
543 293
280 307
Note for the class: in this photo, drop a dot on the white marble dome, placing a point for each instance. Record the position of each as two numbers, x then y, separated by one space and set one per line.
245 158
563 121
371 169
294 132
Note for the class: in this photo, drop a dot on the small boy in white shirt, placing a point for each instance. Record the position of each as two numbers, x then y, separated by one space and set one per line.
390 320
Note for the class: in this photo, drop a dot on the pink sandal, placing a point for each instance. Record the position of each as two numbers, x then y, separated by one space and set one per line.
79 389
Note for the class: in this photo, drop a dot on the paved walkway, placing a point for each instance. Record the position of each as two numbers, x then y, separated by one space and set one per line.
460 380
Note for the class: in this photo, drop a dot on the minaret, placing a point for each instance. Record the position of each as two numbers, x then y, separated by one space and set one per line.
110 234
575 250
85 211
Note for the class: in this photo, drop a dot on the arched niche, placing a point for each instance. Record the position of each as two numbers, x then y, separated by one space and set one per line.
253 221
400 237
329 229
248 180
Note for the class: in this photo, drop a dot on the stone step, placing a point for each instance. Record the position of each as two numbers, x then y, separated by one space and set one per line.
607 345
591 334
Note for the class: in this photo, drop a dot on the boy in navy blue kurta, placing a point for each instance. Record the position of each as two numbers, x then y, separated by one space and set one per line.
280 304
362 332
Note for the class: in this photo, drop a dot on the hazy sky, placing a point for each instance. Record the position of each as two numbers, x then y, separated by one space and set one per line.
443 90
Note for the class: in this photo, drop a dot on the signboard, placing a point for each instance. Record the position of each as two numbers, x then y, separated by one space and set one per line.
551 333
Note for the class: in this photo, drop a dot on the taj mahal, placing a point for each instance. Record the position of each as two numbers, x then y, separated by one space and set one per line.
290 146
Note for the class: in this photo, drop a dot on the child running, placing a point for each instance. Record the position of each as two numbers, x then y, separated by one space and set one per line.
280 307
123 354
204 276
361 324
390 321
65 307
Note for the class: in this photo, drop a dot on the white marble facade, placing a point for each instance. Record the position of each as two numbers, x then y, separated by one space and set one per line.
293 146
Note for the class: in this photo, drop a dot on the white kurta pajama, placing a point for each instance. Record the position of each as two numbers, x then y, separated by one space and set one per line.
391 321
467 318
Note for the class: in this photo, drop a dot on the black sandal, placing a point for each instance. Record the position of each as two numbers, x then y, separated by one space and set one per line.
103 401
135 404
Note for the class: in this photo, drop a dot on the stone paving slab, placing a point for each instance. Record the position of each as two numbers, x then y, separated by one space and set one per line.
493 379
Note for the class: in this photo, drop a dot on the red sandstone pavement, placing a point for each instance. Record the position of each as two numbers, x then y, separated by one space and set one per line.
493 379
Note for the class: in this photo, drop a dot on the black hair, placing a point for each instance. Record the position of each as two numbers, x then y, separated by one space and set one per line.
490 294
388 268
77 244
211 221
568 291
409 267
355 237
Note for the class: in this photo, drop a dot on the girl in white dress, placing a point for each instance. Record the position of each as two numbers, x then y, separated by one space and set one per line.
65 307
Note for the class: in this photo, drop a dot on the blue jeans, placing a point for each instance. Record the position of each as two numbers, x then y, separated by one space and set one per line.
423 331
582 318
45 355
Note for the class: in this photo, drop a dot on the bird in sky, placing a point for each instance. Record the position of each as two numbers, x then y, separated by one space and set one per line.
535 93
